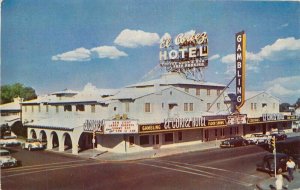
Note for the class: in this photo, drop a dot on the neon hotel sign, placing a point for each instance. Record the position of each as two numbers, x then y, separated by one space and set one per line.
189 51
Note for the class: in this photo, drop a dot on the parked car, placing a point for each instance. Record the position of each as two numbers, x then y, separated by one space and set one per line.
9 141
279 135
234 142
257 138
268 164
32 144
6 160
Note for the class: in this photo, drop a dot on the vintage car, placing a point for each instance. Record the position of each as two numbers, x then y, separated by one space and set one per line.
9 141
268 164
234 142
279 135
6 160
32 144
257 138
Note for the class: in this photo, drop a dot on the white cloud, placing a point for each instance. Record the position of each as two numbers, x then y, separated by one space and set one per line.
214 57
134 38
281 49
79 54
284 86
110 52
82 54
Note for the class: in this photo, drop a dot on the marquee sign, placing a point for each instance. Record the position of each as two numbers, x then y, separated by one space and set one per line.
240 68
236 119
120 127
186 52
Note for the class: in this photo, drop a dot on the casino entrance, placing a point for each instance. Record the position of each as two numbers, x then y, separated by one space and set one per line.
86 141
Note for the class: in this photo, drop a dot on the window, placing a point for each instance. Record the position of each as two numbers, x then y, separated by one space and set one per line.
162 105
126 106
197 91
32 108
208 105
67 108
131 140
216 132
147 107
47 108
218 106
208 92
39 108
263 105
252 106
79 107
237 130
186 107
180 135
93 108
169 137
144 139
186 90
56 109
222 132
252 128
25 108
191 107
218 92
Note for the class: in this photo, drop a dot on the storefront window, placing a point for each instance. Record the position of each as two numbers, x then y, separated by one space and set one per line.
180 136
169 137
144 140
131 140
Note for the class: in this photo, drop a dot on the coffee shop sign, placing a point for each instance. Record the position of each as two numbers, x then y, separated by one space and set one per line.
272 116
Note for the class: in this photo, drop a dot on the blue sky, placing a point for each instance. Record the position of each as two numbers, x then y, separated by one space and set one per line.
53 45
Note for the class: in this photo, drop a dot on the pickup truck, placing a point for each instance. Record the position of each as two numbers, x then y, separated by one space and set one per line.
257 138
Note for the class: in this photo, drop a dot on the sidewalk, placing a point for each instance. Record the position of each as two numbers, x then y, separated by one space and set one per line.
110 156
270 183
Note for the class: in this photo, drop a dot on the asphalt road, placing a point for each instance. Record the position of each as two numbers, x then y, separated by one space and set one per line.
219 169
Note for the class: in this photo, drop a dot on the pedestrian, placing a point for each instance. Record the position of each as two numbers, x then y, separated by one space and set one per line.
290 166
279 182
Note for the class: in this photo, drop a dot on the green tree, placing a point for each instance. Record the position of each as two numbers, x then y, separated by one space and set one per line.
9 92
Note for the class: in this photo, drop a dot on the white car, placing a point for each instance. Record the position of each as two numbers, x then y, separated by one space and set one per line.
6 160
9 141
257 138
32 144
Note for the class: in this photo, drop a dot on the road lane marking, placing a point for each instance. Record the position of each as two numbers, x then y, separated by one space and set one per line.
206 174
51 169
8 170
212 168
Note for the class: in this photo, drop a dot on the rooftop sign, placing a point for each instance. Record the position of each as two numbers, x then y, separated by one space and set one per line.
186 51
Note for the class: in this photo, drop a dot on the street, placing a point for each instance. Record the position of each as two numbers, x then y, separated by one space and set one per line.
232 168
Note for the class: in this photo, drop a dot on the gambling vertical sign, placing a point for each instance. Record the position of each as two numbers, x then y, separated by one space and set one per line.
240 68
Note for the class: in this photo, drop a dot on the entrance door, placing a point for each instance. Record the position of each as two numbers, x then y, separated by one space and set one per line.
155 139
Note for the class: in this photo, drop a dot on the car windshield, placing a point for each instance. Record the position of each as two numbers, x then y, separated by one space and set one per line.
6 153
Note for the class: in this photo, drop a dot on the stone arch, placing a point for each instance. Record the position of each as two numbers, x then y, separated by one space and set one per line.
85 141
32 134
43 138
66 141
54 140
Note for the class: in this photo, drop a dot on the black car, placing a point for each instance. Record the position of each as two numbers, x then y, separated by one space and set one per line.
268 164
279 136
234 142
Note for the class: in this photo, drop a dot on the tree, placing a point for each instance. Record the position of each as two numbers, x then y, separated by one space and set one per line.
9 92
